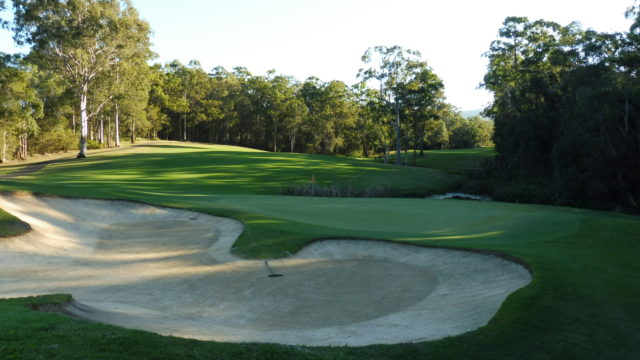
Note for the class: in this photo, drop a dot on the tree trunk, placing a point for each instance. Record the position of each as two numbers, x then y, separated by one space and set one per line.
108 132
101 134
292 139
626 115
22 147
386 153
398 142
133 131
184 127
117 123
84 122
4 146
415 152
73 121
275 136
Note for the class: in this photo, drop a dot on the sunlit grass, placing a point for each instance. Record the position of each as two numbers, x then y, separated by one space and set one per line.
233 170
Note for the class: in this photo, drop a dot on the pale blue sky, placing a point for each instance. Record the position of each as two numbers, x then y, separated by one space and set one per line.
326 38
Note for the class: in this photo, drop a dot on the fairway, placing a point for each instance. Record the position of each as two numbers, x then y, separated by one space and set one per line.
581 261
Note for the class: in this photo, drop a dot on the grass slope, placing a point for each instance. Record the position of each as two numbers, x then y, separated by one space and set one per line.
583 303
453 160
177 168
11 225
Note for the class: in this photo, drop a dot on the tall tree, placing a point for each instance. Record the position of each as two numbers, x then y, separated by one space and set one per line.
420 96
19 105
393 67
81 39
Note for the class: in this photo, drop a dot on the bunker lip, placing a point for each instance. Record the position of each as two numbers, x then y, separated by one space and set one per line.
171 271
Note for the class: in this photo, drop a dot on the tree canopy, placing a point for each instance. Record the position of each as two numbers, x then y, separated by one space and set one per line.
565 110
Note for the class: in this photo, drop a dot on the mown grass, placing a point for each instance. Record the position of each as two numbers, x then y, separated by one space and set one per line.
190 169
457 161
583 303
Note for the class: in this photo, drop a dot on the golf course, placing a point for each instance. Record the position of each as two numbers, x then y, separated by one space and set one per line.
579 298
206 180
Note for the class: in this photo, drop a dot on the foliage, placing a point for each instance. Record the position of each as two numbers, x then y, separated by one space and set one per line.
565 111
54 140
20 106
82 41
407 85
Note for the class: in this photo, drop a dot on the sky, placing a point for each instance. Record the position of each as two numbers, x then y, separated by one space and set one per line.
326 38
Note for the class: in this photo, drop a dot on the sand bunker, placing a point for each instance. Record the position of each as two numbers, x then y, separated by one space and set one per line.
171 272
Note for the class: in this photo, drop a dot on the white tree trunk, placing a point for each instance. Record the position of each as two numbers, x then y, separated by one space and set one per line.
101 135
117 122
275 136
184 128
108 132
84 122
292 138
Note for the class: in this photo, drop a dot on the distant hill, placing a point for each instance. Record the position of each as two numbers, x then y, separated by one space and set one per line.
471 113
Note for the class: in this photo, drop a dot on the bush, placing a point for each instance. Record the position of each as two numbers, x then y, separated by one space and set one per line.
56 140
93 145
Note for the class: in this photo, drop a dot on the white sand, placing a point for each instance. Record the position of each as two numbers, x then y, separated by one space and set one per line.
171 272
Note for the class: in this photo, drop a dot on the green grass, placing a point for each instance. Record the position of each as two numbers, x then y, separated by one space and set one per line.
453 160
583 302
216 169
11 225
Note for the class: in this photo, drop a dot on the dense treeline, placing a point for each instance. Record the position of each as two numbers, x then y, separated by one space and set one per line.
87 77
566 112
279 113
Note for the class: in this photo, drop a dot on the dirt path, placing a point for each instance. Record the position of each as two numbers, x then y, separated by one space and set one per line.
171 272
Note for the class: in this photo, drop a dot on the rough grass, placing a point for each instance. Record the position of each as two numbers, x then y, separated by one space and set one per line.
583 303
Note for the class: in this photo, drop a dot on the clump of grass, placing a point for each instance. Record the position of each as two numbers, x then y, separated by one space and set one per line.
336 190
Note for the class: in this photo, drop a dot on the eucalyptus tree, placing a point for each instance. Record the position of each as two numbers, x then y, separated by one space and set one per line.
286 110
294 115
420 97
157 101
134 98
226 91
527 68
332 112
186 88
373 121
81 40
20 105
392 67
